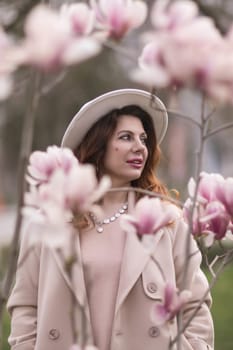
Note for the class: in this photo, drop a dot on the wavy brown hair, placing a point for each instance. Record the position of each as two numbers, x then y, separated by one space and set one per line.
93 147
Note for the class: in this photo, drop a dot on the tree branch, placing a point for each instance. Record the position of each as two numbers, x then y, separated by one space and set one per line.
27 137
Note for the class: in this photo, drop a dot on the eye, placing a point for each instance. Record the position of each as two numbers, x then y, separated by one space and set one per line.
125 137
144 140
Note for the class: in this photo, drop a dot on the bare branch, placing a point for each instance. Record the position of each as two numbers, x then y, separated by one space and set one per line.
26 146
219 129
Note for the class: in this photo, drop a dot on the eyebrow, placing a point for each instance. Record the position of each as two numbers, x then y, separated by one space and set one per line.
131 132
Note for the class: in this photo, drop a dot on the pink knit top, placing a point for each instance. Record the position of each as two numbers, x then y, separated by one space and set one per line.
102 256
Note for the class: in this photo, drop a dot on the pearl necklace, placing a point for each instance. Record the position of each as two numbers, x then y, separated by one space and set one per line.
99 223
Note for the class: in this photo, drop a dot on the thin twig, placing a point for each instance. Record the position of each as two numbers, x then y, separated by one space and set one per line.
211 265
217 130
179 115
147 193
48 87
183 116
191 216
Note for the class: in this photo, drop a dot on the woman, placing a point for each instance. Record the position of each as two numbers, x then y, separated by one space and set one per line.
118 281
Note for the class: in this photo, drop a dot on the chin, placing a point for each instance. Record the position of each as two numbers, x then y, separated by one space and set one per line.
135 176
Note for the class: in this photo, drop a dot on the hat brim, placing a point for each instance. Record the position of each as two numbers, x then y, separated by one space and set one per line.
95 109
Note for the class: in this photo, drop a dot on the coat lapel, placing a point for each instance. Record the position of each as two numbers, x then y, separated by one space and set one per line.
135 257
76 282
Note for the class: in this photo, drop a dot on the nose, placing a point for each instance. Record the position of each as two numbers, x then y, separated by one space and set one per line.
138 145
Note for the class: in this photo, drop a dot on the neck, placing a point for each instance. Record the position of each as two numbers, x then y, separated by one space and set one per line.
112 198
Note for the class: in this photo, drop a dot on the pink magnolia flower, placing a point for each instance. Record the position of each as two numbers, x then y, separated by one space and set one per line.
216 219
171 305
50 42
169 59
83 189
153 69
42 165
211 214
47 36
80 16
207 188
150 215
117 17
45 204
185 39
78 192
218 72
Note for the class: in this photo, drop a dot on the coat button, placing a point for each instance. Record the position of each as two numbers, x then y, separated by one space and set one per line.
152 287
54 334
154 332
118 332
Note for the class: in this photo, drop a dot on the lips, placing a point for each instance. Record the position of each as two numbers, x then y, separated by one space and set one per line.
135 163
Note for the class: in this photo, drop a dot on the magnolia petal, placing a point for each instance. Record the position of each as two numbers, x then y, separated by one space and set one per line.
158 16
80 50
138 13
104 185
107 5
228 191
208 239
151 76
159 315
184 10
96 210
36 174
128 223
30 180
80 16
191 187
6 86
34 214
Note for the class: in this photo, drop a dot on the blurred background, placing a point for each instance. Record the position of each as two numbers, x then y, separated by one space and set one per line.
63 93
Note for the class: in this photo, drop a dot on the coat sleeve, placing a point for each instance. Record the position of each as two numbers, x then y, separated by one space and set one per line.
22 304
200 332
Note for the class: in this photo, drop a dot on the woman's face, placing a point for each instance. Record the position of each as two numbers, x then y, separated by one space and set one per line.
126 152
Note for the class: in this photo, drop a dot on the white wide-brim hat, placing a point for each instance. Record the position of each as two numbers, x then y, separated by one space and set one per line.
95 109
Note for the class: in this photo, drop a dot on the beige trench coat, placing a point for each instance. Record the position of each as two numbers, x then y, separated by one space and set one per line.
41 300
